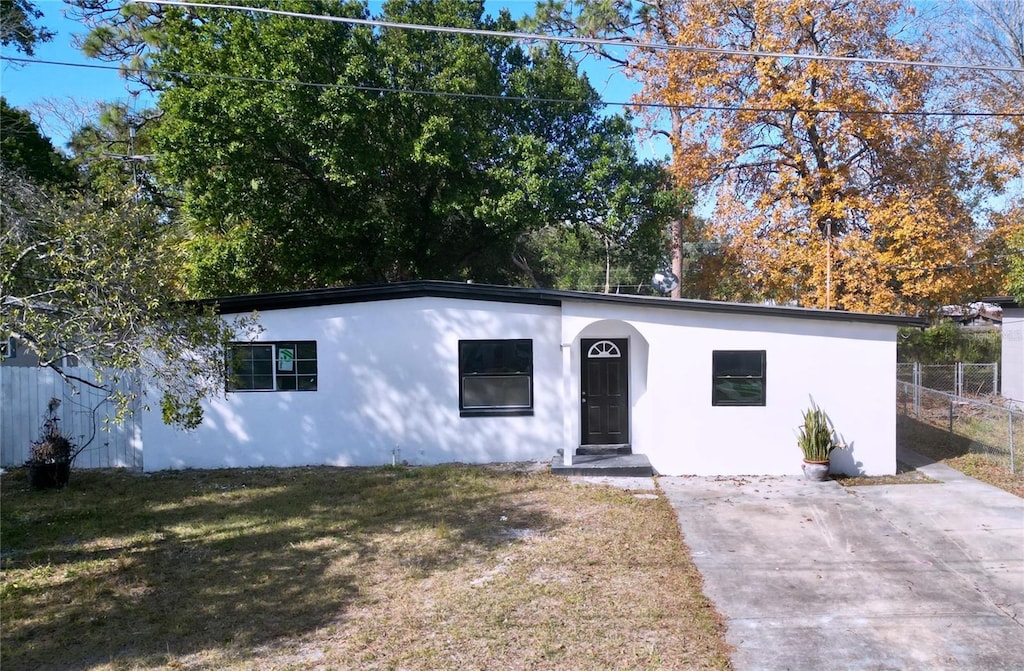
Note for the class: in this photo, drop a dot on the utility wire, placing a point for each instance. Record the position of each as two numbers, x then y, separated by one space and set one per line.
538 37
519 99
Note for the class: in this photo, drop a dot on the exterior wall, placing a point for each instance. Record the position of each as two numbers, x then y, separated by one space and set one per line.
848 367
1013 354
388 388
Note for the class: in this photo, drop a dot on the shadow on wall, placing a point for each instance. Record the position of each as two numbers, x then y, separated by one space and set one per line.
403 399
388 391
844 462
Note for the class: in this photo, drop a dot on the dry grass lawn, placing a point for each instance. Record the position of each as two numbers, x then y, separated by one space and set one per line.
447 567
960 452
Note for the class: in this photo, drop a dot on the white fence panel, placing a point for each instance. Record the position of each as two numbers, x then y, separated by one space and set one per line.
84 413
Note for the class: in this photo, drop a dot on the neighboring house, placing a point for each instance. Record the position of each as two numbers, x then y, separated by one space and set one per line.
16 353
1012 356
432 372
979 313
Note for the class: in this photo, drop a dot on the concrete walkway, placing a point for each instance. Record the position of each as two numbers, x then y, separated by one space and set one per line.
817 576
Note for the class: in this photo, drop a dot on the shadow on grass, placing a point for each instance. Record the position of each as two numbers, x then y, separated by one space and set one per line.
139 570
933 442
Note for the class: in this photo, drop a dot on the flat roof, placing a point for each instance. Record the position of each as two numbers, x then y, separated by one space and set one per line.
525 295
1002 301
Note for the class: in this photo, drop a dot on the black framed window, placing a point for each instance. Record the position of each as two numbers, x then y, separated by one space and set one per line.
495 377
738 377
272 366
8 348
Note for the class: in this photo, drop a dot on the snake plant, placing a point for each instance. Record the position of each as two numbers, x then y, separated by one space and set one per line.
817 436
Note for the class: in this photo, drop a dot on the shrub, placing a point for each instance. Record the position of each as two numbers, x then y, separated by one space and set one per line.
948 343
53 447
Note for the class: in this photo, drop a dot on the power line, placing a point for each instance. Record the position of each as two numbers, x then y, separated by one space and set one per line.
503 98
538 37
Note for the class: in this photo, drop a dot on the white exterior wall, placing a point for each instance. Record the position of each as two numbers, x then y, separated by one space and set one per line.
388 377
848 367
1013 354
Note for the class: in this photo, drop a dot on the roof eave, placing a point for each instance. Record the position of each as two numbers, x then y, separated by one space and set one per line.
522 295
1003 301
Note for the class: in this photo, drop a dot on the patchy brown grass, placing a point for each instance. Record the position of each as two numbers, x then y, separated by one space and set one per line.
907 477
422 568
960 452
982 467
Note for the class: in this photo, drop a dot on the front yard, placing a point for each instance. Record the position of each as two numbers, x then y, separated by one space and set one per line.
386 568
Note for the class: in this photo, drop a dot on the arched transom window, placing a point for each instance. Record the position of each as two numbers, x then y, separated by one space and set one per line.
603 349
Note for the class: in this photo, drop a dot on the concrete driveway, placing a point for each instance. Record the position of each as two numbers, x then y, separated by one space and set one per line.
817 576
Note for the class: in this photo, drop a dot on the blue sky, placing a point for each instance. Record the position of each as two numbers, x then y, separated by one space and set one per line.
28 86
25 86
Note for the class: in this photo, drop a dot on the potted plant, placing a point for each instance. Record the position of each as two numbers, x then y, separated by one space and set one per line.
817 438
50 457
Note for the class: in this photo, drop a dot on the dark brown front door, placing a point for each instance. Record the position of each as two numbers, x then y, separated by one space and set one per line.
604 386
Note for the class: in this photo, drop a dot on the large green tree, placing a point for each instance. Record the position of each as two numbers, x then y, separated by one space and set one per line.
24 149
614 233
313 153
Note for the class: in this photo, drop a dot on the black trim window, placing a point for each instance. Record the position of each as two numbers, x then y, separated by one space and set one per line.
272 366
738 377
495 377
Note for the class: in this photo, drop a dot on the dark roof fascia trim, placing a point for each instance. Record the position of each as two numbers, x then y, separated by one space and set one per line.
378 292
747 309
522 295
1003 301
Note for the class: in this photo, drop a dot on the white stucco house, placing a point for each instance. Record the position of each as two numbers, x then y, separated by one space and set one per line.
433 372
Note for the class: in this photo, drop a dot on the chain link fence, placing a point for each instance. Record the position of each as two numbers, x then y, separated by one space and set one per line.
959 379
947 425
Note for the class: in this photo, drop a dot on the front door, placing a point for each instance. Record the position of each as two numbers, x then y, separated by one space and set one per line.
604 391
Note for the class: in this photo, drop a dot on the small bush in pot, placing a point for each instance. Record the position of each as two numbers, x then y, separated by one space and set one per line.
817 439
50 457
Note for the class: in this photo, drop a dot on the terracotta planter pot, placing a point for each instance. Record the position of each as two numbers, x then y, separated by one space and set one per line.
816 470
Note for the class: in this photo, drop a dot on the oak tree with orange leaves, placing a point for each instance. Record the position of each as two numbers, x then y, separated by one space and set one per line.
832 183
992 34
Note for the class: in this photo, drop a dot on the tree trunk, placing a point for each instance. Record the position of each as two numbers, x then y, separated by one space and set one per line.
677 256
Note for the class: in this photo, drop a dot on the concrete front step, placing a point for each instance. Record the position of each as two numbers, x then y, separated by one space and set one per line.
604 449
604 465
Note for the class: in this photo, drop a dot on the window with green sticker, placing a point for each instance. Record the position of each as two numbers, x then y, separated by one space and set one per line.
272 366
